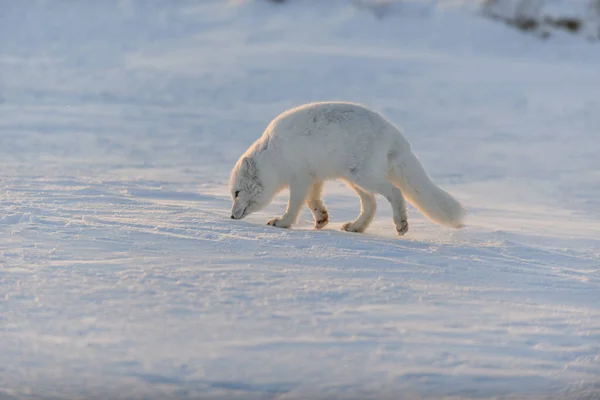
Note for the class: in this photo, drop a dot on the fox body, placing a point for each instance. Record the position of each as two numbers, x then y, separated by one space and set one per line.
310 144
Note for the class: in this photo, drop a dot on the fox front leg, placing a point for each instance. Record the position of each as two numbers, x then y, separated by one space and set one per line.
298 192
316 206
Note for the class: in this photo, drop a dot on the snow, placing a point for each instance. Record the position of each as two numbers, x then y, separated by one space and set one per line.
123 276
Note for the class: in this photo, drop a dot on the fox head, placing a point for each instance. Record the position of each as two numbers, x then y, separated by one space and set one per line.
247 189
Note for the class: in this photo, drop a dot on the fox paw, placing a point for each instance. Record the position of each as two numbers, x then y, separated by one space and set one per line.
322 221
402 228
352 227
278 223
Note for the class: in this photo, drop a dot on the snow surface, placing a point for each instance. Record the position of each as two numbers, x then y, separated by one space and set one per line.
123 276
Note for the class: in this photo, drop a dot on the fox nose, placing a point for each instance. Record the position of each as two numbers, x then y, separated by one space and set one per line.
232 217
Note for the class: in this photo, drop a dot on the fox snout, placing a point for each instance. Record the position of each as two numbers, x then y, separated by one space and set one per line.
237 213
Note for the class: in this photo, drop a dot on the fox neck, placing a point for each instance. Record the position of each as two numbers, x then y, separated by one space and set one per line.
270 175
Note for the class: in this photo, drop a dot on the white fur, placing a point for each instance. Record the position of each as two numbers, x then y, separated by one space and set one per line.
307 145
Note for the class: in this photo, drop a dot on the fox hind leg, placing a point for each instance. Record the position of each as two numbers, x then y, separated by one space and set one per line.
396 199
368 208
394 196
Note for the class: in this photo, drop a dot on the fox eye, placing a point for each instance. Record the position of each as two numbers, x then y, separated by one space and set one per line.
237 193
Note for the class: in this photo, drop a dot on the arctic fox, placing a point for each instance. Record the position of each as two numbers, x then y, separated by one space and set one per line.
307 145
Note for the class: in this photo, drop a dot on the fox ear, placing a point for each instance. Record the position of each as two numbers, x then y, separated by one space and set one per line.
249 166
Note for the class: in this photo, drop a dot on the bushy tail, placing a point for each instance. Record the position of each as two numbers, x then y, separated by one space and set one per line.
408 174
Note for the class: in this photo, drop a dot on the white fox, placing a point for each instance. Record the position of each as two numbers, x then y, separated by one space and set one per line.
307 145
